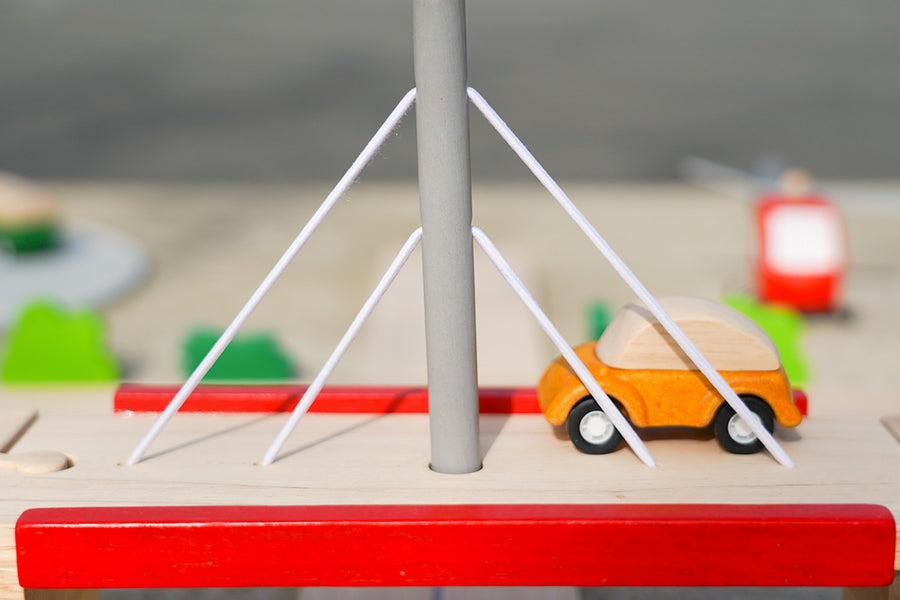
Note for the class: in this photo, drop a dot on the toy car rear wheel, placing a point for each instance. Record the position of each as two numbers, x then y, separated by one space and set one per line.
734 434
591 430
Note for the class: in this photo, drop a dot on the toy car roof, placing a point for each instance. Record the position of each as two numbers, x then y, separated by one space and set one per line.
730 340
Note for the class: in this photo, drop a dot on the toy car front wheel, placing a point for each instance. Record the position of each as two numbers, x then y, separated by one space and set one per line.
734 434
591 430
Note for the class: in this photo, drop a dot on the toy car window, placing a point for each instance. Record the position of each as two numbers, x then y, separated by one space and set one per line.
804 240
728 339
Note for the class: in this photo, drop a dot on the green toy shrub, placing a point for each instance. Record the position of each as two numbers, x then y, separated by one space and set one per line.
250 357
785 326
48 343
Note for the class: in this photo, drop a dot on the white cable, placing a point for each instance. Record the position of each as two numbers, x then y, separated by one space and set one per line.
342 186
309 396
633 282
590 382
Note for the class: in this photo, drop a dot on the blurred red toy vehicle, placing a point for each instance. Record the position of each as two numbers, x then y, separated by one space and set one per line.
802 246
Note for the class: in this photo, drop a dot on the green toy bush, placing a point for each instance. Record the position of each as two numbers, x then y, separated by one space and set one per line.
50 344
785 326
249 357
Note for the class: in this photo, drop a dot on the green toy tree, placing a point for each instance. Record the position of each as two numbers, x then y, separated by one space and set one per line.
50 344
254 356
599 315
785 326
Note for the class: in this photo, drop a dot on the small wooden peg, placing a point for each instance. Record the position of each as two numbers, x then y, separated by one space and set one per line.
34 463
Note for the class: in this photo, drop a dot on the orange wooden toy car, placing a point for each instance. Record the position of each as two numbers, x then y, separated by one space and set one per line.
655 384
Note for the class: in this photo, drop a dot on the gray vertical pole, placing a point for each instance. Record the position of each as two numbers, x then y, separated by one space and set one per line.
445 201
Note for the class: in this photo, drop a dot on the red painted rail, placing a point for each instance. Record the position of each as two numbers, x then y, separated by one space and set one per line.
332 399
577 545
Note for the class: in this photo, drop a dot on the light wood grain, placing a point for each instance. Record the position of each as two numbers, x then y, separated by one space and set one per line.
511 347
343 459
383 459
218 241
9 579
892 423
356 459
13 425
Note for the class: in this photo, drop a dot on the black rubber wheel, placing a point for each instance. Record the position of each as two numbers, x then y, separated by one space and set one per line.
590 429
733 433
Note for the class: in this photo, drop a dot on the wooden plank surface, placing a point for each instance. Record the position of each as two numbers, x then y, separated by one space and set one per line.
218 241
206 460
892 423
13 425
401 545
228 237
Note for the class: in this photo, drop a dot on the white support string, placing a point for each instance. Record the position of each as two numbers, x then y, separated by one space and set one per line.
309 396
633 282
342 186
590 382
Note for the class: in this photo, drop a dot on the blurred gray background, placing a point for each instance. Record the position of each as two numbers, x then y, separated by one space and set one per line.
290 90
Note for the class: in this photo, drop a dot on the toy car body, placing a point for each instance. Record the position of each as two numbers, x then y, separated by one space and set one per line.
642 369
